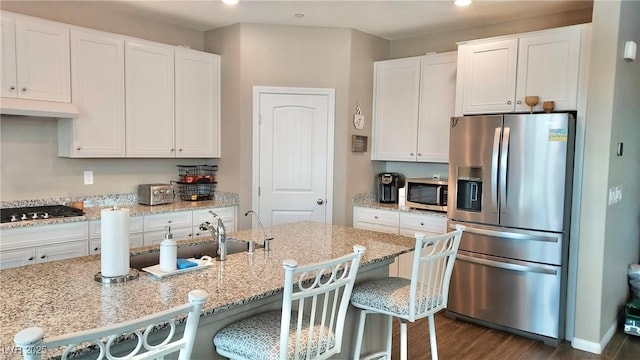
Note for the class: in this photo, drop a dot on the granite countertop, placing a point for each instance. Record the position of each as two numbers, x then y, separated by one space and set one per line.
62 296
368 200
135 209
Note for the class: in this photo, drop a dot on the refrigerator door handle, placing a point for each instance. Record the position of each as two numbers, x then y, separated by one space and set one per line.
504 161
506 266
494 167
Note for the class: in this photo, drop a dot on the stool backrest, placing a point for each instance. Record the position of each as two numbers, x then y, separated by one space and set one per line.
433 262
33 344
317 296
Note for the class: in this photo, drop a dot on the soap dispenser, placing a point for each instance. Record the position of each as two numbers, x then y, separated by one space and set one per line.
168 253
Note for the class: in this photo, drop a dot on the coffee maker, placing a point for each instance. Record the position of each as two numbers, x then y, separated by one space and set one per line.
388 185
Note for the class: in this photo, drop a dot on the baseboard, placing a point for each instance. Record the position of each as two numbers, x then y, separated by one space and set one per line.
593 347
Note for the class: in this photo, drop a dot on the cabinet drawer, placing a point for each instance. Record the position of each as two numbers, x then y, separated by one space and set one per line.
226 213
15 258
135 240
375 216
426 223
160 221
135 226
61 251
156 237
44 235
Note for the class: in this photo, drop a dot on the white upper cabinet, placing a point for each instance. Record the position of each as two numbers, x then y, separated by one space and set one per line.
97 74
497 75
150 87
197 101
35 59
437 106
413 101
396 99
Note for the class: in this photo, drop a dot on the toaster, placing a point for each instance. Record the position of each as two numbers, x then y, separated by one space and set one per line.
155 194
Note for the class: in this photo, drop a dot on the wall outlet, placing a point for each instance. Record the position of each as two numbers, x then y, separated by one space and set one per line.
88 177
615 194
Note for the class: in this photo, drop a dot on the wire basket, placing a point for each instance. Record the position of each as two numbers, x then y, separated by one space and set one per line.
197 182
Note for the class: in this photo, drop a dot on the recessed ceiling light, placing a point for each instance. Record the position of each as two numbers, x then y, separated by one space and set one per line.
230 2
462 2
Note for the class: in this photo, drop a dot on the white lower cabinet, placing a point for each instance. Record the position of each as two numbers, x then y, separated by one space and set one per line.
399 222
410 224
155 226
135 234
227 214
386 221
31 245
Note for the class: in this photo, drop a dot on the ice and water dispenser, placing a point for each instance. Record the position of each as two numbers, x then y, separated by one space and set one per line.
469 187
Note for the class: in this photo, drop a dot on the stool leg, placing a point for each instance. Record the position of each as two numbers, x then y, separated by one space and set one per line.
432 338
356 351
389 336
403 339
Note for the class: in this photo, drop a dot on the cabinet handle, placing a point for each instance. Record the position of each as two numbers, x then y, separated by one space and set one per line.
24 89
411 154
519 102
419 154
172 150
12 87
179 149
96 249
43 257
30 259
421 224
509 102
169 222
375 217
78 148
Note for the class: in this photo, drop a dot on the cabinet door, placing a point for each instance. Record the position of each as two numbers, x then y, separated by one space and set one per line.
386 221
197 104
548 66
149 84
156 237
61 251
437 106
8 57
396 97
97 74
489 77
15 258
43 66
161 221
430 225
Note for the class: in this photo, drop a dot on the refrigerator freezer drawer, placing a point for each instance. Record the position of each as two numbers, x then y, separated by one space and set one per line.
536 246
516 294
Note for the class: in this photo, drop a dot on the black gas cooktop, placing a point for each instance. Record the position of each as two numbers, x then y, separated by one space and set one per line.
31 213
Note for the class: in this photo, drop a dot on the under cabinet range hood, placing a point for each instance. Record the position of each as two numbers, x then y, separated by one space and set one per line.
23 107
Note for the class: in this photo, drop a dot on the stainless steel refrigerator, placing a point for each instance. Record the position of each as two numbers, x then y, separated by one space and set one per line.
510 185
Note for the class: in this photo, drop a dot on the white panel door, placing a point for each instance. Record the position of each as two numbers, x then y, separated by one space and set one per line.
548 67
489 79
295 157
149 92
197 104
42 52
8 57
98 91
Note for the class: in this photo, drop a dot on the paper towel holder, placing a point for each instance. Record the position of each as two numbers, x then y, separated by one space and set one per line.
132 275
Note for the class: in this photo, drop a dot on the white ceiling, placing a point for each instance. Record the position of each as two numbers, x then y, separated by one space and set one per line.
388 19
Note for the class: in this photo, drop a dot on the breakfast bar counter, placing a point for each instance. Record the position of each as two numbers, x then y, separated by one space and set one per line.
62 296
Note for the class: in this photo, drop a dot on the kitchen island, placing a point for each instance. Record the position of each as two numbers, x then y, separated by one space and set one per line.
62 296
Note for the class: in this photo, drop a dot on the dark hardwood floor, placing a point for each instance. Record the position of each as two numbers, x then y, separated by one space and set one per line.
462 340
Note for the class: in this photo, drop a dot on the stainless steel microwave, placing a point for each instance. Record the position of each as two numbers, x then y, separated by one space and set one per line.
426 193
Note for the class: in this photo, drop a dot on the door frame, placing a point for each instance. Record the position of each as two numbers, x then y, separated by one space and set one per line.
331 97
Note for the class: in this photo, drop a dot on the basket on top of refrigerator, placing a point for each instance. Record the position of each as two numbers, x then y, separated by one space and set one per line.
197 182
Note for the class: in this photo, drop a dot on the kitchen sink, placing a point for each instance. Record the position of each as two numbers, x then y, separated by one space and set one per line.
209 248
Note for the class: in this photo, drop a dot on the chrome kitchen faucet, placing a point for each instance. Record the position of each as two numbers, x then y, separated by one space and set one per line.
219 232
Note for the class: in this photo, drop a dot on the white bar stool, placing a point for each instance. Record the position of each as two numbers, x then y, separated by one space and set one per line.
409 300
311 323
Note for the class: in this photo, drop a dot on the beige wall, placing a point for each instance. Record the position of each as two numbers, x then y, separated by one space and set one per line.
29 164
441 42
267 55
92 15
609 235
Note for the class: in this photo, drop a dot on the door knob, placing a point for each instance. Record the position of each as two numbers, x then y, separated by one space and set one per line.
320 201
